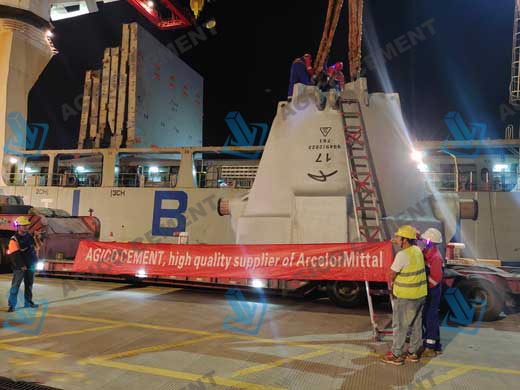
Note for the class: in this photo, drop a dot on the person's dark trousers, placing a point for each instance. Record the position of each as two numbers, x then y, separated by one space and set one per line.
431 329
28 280
18 277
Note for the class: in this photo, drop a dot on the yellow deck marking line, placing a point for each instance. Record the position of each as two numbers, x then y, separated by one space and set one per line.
31 351
157 348
181 375
22 362
59 334
448 376
134 324
280 362
435 362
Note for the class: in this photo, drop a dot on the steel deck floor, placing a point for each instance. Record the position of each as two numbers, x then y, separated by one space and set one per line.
95 335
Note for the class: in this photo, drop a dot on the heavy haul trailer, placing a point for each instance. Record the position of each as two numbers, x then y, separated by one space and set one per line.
497 285
59 232
345 294
331 194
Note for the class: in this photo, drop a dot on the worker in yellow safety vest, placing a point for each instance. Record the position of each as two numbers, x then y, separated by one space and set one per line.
409 290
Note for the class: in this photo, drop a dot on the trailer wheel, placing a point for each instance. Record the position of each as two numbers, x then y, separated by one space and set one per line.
346 294
481 289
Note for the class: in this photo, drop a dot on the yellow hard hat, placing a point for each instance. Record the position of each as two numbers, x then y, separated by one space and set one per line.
407 231
22 221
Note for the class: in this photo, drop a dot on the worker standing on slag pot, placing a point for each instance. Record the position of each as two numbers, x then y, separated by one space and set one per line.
301 73
409 289
22 252
433 259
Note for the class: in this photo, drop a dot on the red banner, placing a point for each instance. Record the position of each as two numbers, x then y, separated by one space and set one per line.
354 261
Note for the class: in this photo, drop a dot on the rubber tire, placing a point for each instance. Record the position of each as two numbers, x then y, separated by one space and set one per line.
481 288
353 297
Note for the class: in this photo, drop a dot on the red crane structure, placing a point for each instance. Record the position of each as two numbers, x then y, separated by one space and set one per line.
177 19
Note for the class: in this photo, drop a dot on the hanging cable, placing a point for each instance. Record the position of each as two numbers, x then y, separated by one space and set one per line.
325 35
330 29
337 13
355 37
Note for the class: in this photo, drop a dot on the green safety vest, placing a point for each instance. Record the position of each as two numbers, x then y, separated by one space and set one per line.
411 282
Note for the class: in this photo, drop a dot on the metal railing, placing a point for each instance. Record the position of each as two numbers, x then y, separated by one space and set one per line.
229 176
468 182
160 179
27 179
88 179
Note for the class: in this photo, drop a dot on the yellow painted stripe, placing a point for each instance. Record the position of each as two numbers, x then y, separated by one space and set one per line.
158 348
31 351
213 380
59 334
307 345
133 324
435 362
280 362
496 370
22 362
448 376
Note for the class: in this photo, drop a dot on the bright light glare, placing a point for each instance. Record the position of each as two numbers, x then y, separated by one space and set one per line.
150 4
417 156
210 24
141 274
423 167
257 283
28 170
40 265
13 160
80 168
500 168
154 169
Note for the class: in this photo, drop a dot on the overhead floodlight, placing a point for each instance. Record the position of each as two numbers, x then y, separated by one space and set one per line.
13 160
424 168
80 168
153 170
417 155
500 168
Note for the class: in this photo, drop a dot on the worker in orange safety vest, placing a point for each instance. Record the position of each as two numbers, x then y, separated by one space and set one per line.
22 253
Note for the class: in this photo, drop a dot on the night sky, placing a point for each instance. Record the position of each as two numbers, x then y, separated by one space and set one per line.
463 65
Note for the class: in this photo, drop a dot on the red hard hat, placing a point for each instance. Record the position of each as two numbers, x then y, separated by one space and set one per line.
339 65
